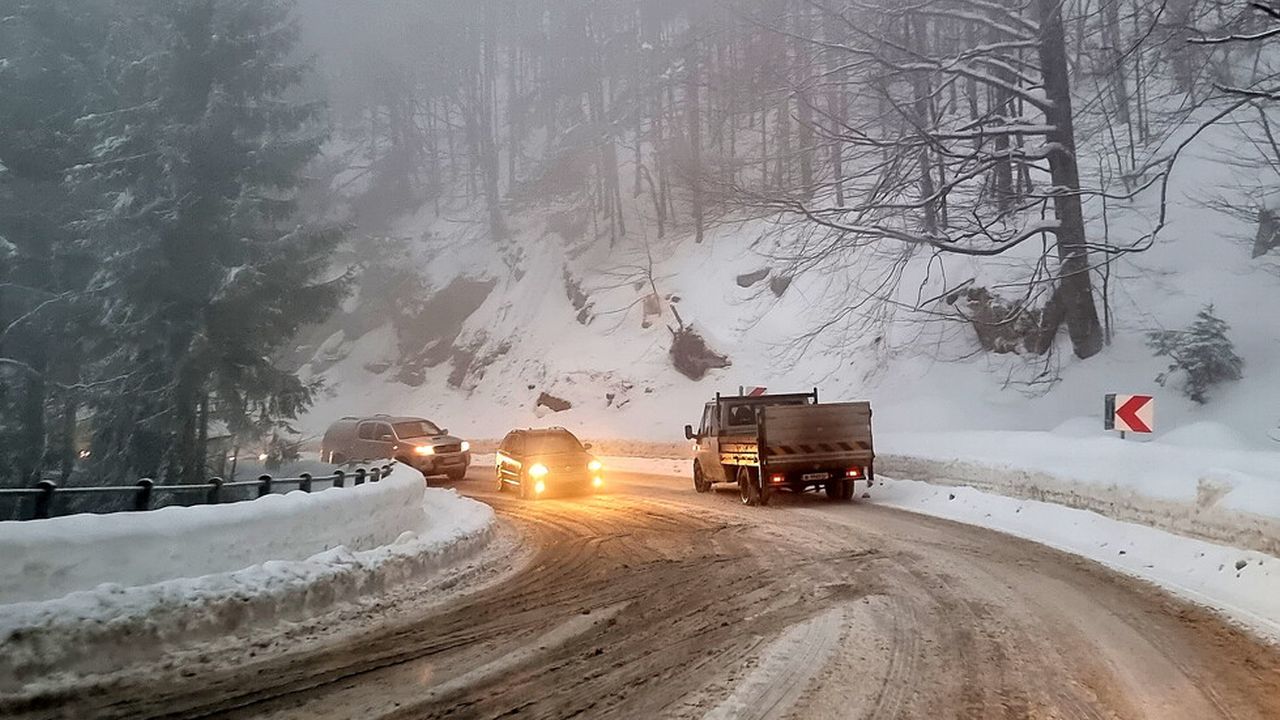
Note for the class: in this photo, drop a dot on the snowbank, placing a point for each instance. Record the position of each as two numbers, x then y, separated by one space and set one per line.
1214 492
112 626
46 559
1240 584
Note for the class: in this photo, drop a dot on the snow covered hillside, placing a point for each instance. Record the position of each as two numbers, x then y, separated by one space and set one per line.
550 311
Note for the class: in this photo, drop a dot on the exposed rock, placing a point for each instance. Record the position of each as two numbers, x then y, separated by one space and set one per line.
751 278
427 333
470 364
412 376
1005 326
553 403
779 284
377 367
581 301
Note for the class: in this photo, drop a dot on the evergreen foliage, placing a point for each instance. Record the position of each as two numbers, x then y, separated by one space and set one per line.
173 172
1203 352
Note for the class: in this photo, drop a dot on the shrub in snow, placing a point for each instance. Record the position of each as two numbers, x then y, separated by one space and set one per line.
1203 352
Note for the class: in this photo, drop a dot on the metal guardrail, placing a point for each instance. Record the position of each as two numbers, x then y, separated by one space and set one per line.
211 493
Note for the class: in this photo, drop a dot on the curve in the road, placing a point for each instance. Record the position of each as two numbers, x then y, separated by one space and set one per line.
654 601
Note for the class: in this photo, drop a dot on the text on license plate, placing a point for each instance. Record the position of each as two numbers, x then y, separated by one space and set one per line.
815 476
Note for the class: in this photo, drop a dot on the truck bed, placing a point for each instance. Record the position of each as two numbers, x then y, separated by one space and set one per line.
817 433
805 434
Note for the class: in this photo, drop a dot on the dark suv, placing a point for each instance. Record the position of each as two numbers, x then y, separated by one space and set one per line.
545 462
413 441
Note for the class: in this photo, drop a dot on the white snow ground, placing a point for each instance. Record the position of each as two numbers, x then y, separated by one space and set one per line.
98 630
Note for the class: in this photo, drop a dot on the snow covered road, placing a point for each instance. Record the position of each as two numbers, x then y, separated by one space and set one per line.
653 601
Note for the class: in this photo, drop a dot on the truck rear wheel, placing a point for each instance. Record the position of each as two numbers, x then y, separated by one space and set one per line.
766 492
839 489
846 490
748 487
699 479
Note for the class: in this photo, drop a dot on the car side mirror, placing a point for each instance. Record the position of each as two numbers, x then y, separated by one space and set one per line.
587 446
689 434
444 431
386 437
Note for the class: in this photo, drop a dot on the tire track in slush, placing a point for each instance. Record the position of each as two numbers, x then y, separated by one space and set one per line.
786 668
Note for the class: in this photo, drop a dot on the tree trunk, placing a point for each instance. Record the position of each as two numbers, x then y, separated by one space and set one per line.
693 81
804 111
490 166
837 105
1073 280
915 32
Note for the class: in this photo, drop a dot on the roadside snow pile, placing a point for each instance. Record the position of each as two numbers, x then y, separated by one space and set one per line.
1241 584
1193 481
111 626
658 465
46 559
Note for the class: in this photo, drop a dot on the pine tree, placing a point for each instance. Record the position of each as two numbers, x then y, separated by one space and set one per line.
201 167
48 79
1203 352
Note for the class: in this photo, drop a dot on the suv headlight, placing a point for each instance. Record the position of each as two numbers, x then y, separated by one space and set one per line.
594 466
466 446
424 450
538 470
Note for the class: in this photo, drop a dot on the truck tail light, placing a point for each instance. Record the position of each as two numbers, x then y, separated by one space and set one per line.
777 479
853 473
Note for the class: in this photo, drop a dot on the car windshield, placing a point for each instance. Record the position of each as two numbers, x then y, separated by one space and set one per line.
553 444
416 429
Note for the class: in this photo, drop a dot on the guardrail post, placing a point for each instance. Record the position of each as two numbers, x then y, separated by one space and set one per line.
339 478
214 496
264 488
142 501
360 473
44 501
305 485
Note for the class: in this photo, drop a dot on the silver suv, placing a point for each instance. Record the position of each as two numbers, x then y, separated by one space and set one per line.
413 441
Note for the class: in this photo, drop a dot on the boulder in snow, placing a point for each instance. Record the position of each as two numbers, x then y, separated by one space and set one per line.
553 403
746 280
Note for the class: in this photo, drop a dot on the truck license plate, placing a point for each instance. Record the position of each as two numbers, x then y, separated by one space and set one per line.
815 476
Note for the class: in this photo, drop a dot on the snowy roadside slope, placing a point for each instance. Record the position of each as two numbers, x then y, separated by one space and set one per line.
1242 585
1192 482
109 627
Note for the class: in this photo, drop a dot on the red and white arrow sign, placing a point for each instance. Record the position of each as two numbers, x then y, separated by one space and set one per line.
1135 413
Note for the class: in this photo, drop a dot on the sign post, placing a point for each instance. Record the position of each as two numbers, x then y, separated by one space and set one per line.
1130 413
